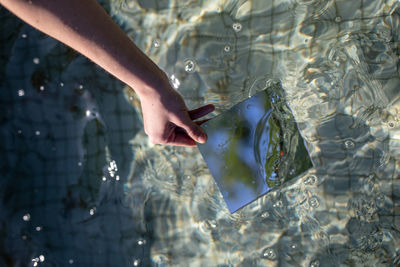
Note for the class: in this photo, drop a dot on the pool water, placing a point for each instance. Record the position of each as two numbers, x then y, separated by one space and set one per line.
81 186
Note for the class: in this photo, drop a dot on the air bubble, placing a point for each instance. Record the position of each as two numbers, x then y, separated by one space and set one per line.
136 262
338 19
310 180
71 261
37 132
41 258
175 82
79 163
26 217
61 84
39 228
21 92
104 178
237 27
190 65
265 214
315 263
24 35
380 200
92 211
227 48
156 43
211 224
314 202
269 253
278 204
141 242
349 144
36 60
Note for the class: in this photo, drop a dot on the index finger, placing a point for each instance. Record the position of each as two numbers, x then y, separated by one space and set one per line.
201 111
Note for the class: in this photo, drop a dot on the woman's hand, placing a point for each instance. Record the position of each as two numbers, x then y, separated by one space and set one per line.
86 27
167 120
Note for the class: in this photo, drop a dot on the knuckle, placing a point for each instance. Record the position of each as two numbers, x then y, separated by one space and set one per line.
157 140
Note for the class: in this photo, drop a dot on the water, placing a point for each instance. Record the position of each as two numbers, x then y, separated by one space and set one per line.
338 64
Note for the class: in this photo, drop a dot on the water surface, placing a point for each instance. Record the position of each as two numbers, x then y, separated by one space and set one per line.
80 184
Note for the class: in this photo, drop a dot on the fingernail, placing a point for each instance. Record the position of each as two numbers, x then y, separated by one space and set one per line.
203 138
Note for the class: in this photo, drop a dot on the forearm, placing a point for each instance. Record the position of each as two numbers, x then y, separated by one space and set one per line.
86 27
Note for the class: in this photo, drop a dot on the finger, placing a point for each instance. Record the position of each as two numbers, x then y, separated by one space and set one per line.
181 139
200 122
201 111
193 130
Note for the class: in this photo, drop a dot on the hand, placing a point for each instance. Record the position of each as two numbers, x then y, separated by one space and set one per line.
167 120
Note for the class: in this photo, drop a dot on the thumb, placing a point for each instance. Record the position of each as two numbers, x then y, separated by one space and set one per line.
193 130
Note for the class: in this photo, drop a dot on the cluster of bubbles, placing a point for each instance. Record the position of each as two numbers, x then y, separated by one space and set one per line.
37 260
314 202
310 180
112 171
237 27
269 253
174 81
141 242
278 204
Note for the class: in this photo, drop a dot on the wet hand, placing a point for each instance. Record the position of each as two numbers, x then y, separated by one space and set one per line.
167 120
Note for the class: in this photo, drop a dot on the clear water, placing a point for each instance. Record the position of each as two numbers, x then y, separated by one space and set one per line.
81 186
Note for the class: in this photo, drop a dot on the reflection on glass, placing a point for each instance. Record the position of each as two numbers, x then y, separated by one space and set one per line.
254 147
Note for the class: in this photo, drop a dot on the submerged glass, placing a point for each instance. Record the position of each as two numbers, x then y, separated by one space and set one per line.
253 148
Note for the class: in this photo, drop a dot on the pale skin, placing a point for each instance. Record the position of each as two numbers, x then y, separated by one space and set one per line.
86 27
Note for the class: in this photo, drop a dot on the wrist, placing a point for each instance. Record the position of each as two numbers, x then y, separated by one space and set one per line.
153 89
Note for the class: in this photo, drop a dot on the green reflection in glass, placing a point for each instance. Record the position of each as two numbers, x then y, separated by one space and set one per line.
254 147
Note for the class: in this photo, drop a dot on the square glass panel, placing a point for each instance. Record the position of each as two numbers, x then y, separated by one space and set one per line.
253 148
